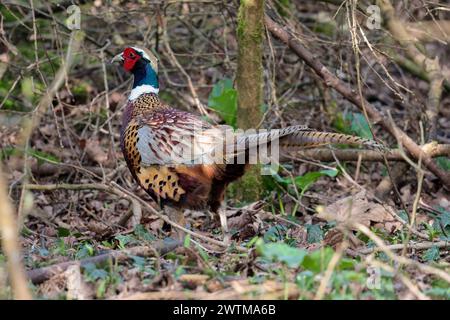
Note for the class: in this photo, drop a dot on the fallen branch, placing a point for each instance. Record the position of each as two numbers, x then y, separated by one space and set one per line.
237 290
352 96
329 155
43 274
324 154
400 246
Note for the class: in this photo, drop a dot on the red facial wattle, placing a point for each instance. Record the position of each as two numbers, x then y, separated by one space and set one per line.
130 57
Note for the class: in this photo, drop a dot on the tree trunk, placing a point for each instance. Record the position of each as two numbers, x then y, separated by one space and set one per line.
249 85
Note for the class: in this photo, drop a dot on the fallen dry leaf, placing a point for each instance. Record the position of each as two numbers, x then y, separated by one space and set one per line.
95 152
357 209
241 221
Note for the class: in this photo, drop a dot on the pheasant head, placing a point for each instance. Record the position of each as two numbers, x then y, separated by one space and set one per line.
144 67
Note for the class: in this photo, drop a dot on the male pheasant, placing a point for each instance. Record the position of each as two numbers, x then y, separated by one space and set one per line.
155 137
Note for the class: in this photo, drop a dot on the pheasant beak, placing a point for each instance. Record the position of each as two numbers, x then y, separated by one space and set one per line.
118 58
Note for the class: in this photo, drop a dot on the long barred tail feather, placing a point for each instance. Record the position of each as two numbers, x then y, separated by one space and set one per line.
294 137
304 138
301 136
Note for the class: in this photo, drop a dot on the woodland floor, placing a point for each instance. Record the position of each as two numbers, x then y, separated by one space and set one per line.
291 244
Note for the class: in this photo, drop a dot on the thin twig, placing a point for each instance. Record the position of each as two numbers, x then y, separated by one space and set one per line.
326 154
329 272
76 39
201 108
415 246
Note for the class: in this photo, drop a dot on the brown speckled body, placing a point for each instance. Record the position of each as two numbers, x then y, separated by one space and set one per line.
181 186
151 130
181 160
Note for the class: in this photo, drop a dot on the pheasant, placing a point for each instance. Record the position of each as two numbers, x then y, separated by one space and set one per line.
155 137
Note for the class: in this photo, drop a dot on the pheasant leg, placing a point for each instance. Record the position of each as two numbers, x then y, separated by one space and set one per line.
224 225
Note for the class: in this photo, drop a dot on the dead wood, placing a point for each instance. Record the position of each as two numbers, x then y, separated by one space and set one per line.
40 275
329 155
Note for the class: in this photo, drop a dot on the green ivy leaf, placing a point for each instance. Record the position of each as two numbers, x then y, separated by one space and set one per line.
93 274
86 250
443 293
360 126
101 288
330 172
42 156
63 232
318 260
347 264
27 88
431 254
281 252
444 218
6 152
223 99
402 214
444 163
39 155
275 233
315 233
124 240
353 123
139 262
305 181
143 234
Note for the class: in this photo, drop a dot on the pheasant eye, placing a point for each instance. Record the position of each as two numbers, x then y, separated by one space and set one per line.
132 55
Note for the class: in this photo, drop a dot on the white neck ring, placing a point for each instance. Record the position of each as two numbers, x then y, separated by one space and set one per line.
140 90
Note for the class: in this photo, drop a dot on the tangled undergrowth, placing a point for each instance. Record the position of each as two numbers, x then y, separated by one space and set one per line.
323 230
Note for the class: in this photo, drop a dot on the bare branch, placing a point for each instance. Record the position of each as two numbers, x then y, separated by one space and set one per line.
351 95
